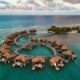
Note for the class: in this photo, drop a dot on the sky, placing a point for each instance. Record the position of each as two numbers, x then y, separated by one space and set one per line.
40 7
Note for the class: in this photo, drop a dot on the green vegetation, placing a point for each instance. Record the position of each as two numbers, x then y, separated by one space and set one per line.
64 30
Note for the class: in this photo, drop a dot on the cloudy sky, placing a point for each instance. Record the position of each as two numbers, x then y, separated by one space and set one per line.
52 7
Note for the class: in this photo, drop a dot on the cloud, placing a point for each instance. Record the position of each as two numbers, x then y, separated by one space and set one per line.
73 1
39 5
5 5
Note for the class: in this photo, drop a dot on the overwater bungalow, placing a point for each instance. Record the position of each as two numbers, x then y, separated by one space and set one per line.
5 46
9 37
8 40
27 34
59 44
15 34
34 41
32 31
57 61
3 50
20 61
27 45
5 57
51 41
69 54
38 62
64 47
23 32
43 41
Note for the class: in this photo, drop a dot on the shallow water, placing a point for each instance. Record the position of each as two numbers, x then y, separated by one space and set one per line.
71 71
38 51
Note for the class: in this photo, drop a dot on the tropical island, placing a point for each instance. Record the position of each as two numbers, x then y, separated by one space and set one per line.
64 30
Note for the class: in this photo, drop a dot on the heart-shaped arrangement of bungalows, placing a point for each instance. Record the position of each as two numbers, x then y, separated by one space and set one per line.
61 53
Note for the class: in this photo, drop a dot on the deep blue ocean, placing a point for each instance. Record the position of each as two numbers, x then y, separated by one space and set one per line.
25 21
12 23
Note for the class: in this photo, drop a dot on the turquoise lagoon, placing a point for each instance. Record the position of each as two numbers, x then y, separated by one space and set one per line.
71 71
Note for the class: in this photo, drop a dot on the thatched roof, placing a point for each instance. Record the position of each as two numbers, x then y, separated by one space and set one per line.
6 46
43 39
3 50
64 47
15 34
32 30
34 39
23 32
59 44
9 37
51 40
8 40
27 44
55 59
6 55
21 58
68 53
38 59
14 55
